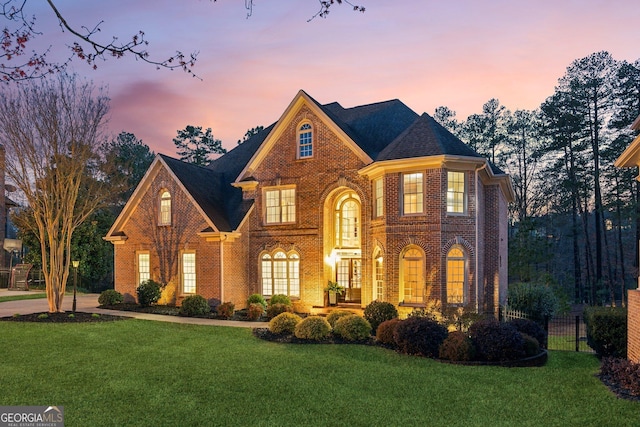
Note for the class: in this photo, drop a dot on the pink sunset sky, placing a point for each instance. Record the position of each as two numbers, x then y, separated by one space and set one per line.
456 53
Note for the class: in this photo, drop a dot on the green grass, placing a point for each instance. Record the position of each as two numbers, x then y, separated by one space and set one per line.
135 372
21 297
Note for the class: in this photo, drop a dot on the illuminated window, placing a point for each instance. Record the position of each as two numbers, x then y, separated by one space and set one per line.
456 198
412 193
189 273
378 197
143 267
412 274
280 274
378 278
165 209
456 276
280 205
305 141
347 222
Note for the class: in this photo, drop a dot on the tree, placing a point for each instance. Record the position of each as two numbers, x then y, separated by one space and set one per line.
447 118
51 130
195 147
251 132
17 64
125 161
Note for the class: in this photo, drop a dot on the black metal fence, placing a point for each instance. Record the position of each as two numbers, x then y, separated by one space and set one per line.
564 332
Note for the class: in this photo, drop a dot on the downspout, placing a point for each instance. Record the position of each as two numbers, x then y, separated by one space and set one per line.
477 276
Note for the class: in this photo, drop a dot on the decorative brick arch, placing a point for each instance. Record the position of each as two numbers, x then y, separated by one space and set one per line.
458 241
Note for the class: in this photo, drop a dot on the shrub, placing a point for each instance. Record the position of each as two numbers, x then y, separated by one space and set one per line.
352 328
43 316
419 335
279 299
274 309
225 310
458 347
95 315
531 328
255 311
71 316
284 323
461 318
334 315
531 345
495 341
194 305
607 330
110 297
536 300
313 328
384 333
377 312
621 372
257 299
148 293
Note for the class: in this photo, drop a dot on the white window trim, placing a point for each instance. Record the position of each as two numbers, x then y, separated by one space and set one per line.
300 132
279 189
465 195
161 220
139 278
182 273
402 194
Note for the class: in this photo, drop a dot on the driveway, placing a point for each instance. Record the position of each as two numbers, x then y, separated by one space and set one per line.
88 303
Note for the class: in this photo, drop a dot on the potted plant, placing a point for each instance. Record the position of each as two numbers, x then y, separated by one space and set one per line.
334 290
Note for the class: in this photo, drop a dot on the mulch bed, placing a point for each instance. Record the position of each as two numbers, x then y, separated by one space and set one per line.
69 317
616 389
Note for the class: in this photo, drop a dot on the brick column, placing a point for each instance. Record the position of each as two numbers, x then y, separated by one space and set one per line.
633 326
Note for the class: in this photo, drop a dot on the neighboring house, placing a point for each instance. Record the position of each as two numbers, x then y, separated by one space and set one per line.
386 202
630 158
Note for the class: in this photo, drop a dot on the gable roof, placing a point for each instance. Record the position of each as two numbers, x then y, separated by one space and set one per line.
216 198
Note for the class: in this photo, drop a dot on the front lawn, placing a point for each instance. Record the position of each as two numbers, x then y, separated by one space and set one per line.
135 372
22 296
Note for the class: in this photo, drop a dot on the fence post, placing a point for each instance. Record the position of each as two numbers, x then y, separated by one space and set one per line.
577 333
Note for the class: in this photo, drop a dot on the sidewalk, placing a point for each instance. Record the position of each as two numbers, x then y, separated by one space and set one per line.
88 303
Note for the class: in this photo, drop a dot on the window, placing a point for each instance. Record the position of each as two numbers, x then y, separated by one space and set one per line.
143 267
280 274
378 198
347 223
165 208
455 276
378 275
189 273
456 199
412 193
412 274
280 205
305 141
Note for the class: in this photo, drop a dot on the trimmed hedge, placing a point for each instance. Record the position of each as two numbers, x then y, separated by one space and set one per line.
457 347
335 315
255 311
284 323
352 328
194 305
257 299
607 330
496 341
110 297
313 328
149 292
386 329
420 335
275 309
531 328
377 312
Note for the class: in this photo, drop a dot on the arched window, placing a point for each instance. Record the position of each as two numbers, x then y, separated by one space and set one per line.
412 275
280 274
164 217
456 267
347 222
305 141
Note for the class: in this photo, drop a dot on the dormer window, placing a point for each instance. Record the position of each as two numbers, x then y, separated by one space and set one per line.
305 141
164 218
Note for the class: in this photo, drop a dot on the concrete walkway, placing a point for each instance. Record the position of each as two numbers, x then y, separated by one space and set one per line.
88 303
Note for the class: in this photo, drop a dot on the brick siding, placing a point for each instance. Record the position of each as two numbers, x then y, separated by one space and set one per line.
633 322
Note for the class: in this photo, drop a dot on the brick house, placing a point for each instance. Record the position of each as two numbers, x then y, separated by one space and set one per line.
630 158
386 202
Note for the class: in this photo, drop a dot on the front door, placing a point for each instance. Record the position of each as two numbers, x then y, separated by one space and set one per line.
349 275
